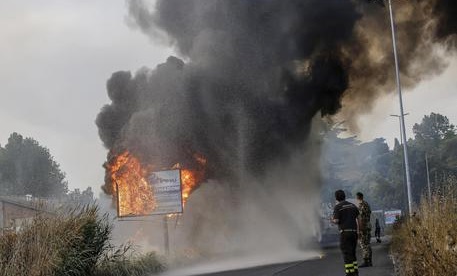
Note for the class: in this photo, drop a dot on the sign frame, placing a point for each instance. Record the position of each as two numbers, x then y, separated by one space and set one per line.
153 213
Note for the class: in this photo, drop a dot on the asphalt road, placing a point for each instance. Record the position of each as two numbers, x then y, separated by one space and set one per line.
331 264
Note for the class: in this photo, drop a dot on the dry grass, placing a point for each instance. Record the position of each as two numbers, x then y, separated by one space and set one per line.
71 244
426 244
130 266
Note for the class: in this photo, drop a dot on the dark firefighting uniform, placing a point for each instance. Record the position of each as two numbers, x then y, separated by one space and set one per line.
346 213
377 231
365 231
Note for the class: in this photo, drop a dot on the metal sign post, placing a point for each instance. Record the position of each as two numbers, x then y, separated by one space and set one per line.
166 237
118 200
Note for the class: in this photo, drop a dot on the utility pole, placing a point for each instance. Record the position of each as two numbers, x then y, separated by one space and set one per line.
428 180
402 116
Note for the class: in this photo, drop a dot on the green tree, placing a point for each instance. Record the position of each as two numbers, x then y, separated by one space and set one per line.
379 172
435 137
449 154
26 167
396 176
379 191
432 130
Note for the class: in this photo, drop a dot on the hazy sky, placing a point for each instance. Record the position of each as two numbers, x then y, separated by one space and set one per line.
438 94
55 58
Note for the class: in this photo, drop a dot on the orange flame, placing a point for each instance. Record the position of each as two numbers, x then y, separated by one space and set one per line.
189 183
136 196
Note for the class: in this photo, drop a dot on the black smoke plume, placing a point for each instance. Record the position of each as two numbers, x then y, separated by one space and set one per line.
257 71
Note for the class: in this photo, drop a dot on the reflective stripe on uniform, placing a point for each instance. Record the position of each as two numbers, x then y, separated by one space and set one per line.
356 266
350 268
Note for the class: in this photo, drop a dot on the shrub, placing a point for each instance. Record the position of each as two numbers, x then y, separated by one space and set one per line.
73 243
131 266
426 244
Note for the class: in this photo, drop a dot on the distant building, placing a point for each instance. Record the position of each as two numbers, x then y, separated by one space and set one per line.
15 211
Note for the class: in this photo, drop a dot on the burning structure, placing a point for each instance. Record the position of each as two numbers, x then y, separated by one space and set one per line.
127 180
240 109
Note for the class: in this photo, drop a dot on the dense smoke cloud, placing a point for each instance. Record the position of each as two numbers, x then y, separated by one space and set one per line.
445 11
247 96
426 32
258 71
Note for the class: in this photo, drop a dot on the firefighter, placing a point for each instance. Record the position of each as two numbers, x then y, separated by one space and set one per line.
346 215
365 230
377 231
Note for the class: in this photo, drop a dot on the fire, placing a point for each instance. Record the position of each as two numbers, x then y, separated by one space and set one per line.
189 183
136 195
190 179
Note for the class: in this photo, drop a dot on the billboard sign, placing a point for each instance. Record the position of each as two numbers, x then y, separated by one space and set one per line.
166 186
391 216
159 194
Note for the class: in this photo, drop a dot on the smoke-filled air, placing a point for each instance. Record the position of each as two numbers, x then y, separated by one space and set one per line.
235 111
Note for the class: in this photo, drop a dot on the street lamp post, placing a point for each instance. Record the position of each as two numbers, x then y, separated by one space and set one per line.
399 121
402 115
401 144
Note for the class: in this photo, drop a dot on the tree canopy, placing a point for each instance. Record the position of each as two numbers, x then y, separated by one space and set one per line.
434 128
26 167
378 171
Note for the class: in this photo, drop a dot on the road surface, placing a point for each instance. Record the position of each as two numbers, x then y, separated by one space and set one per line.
331 264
